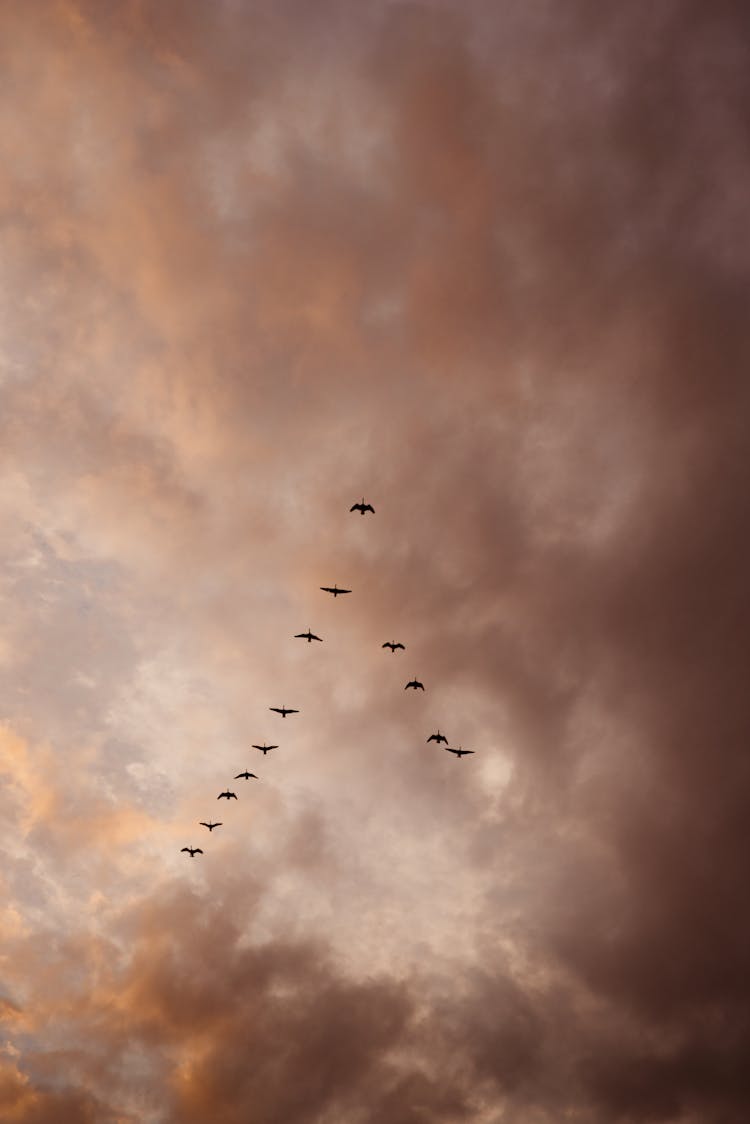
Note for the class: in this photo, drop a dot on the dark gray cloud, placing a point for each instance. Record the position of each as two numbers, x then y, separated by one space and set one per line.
488 266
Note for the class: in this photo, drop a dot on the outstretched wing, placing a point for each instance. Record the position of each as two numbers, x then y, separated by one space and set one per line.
354 507
327 589
399 645
186 849
420 686
369 507
277 709
314 637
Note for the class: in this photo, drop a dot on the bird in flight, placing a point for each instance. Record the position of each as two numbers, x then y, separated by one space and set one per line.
415 684
265 748
392 646
334 589
458 752
308 636
245 776
192 851
210 826
283 710
362 507
227 795
438 737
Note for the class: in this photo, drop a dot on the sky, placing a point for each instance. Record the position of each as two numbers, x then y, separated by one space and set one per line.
485 264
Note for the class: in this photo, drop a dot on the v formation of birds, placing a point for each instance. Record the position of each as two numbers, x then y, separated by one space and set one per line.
283 711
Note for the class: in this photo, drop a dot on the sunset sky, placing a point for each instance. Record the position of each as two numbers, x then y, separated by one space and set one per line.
487 264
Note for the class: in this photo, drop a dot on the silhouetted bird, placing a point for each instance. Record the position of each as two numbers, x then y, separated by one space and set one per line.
283 710
334 589
392 646
210 826
415 684
245 776
458 752
265 748
227 795
362 507
308 636
438 737
193 851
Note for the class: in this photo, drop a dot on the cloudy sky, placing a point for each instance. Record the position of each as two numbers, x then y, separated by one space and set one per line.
486 264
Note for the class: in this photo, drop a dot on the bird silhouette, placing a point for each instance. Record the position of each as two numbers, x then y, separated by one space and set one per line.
283 710
391 645
308 636
245 776
415 684
334 589
210 826
362 507
438 737
192 851
227 795
265 748
458 752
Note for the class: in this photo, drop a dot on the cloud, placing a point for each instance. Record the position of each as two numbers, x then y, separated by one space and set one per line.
487 266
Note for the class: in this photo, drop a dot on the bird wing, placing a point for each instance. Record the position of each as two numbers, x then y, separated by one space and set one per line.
197 851
289 710
300 636
386 645
354 507
343 591
456 751
399 645
185 849
314 637
277 709
234 794
238 775
369 507
327 589
420 686
433 738
442 738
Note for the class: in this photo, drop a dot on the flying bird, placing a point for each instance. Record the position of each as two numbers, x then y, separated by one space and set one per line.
245 776
265 748
334 590
210 826
283 710
192 851
308 636
227 795
392 646
438 737
415 684
458 752
362 507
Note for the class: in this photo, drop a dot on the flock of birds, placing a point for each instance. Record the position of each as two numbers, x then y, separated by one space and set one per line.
309 636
